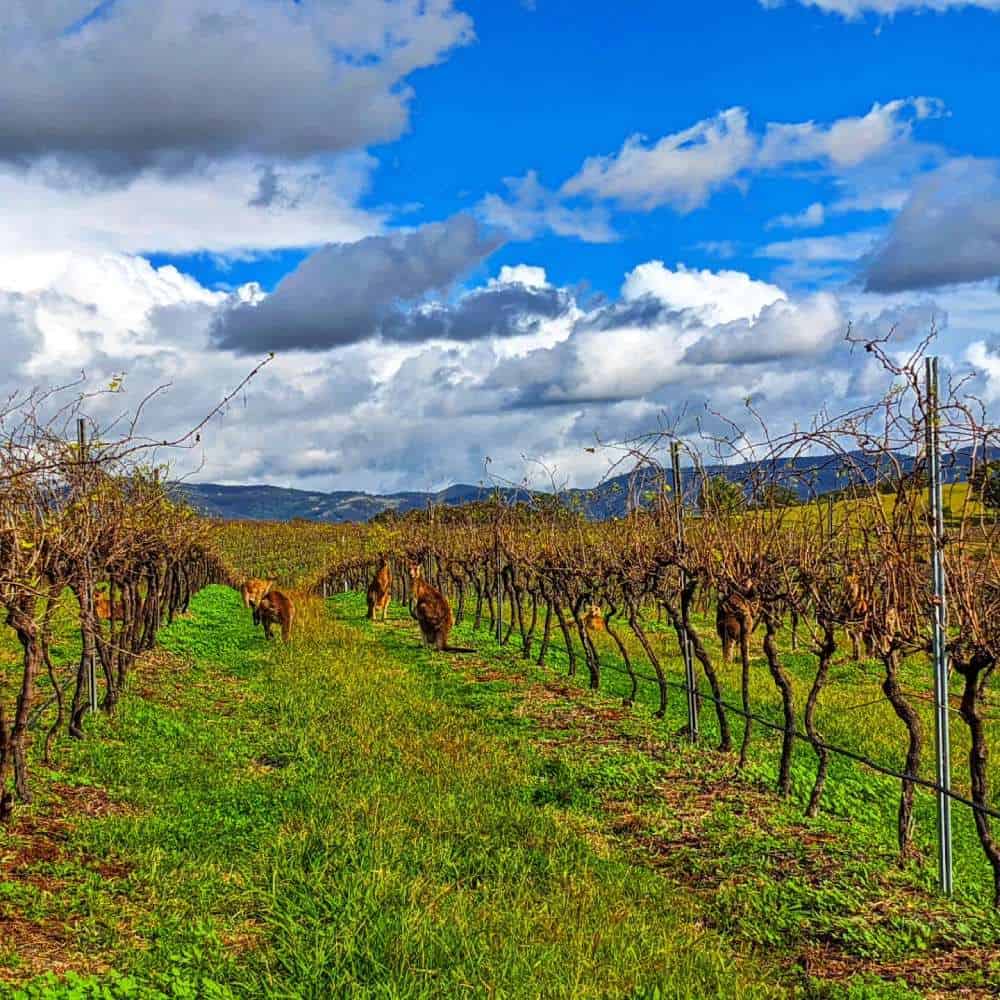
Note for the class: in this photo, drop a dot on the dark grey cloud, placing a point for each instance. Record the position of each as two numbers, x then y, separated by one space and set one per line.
345 292
948 232
495 311
137 83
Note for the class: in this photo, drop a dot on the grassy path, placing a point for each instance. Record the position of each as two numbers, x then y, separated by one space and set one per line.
351 816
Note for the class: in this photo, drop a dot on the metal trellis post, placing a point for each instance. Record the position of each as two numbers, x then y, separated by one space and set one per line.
499 592
940 623
690 681
81 440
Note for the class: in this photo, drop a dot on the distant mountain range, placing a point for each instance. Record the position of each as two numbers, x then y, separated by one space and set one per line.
611 498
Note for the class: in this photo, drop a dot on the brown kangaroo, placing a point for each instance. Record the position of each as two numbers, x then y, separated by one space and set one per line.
252 592
593 618
729 624
433 613
379 591
103 608
276 608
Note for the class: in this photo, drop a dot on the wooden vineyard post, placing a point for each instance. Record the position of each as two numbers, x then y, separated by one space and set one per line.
690 680
940 624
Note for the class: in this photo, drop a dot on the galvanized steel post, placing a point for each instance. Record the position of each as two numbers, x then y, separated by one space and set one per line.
499 570
81 442
690 680
940 624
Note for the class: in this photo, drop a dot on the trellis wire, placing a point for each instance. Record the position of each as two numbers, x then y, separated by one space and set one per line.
860 758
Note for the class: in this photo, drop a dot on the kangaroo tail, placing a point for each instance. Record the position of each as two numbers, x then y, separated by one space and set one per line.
458 649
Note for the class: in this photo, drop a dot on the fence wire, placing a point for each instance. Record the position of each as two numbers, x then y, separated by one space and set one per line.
832 748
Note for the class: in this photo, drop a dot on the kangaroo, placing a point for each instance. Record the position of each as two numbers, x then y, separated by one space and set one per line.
275 608
252 593
433 613
379 591
103 608
729 624
593 618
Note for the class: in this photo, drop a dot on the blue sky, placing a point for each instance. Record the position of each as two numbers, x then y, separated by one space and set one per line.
544 88
513 226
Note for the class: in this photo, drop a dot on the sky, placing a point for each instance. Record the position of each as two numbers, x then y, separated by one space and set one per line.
489 237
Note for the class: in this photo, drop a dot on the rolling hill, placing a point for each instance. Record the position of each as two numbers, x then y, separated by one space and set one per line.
808 476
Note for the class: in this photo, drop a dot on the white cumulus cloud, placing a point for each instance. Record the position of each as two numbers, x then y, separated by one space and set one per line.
847 141
713 296
681 169
684 169
515 367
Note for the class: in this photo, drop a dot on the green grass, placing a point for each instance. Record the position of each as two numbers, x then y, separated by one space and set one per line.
345 816
852 712
764 876
356 815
